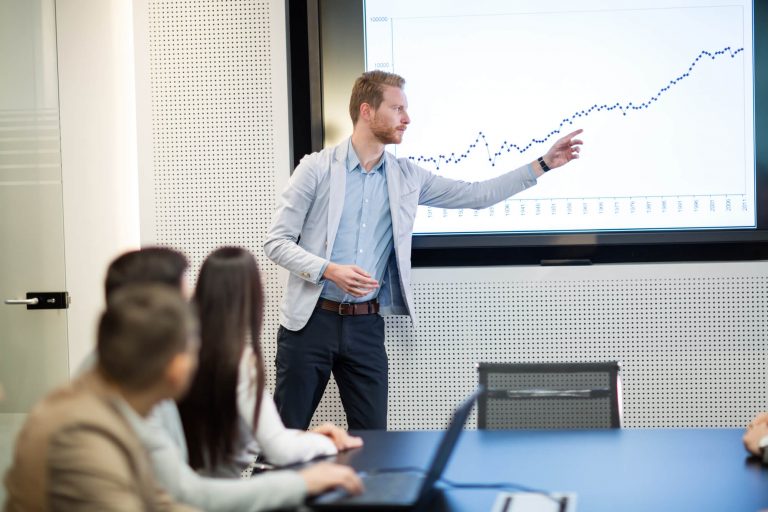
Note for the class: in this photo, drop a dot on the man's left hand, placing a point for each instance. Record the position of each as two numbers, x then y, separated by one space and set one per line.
564 150
339 436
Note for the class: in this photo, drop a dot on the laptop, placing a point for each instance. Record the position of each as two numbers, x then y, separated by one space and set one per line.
404 490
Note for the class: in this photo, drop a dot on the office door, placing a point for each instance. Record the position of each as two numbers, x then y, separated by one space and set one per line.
33 342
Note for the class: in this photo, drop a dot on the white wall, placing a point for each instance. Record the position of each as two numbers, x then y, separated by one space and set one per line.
98 148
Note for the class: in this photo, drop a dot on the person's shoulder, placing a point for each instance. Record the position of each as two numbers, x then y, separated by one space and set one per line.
75 428
87 401
66 403
50 414
321 160
95 417
72 405
101 462
25 479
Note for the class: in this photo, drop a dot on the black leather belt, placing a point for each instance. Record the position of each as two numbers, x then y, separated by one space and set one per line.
370 307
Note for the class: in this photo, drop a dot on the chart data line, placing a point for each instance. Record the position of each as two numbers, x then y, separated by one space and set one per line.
624 108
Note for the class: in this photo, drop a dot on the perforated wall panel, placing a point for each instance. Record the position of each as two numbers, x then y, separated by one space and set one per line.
213 121
691 338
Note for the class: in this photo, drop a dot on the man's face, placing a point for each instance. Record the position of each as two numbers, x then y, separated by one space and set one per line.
389 121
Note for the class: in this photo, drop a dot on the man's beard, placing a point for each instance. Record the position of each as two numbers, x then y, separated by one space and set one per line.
386 135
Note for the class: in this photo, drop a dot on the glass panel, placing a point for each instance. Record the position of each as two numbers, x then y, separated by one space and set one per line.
33 343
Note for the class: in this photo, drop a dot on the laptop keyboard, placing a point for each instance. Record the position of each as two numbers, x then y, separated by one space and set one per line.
385 488
393 487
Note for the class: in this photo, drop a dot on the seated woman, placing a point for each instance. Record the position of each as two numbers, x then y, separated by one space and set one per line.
227 414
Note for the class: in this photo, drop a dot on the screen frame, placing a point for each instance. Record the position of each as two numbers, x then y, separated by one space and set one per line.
309 46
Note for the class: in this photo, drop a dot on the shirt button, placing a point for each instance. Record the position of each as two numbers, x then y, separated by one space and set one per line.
366 200
361 250
363 225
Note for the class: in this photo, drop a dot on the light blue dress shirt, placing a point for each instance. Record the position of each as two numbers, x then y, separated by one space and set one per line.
309 211
364 237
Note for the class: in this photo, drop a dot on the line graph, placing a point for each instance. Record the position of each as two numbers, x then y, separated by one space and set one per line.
624 108
664 95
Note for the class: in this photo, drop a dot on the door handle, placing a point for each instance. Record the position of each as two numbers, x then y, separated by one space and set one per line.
28 302
42 300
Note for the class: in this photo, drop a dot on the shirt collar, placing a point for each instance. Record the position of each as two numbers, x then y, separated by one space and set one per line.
353 162
137 423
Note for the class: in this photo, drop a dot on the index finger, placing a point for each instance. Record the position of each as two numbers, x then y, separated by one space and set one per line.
572 134
360 271
353 483
353 442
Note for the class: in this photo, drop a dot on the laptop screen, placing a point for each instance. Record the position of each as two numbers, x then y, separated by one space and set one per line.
448 442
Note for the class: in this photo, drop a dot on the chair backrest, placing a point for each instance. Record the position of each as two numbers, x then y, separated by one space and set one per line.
549 395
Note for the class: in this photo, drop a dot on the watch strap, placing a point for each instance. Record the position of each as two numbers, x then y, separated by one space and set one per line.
543 164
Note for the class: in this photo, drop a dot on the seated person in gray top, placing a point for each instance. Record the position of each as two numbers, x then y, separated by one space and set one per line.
165 440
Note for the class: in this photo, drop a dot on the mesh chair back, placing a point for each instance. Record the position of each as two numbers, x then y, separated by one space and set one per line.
549 395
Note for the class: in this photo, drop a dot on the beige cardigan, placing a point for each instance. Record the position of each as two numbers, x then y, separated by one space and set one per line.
77 452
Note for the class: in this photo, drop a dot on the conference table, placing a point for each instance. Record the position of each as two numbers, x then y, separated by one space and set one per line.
611 470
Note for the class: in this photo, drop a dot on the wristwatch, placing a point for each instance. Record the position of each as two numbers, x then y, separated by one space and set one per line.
543 164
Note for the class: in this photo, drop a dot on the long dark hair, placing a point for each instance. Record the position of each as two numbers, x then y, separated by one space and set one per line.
230 301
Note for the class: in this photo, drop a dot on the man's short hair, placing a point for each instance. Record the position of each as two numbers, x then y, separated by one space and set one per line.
148 265
142 329
369 88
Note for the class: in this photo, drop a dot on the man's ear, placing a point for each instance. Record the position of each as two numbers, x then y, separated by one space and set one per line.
366 111
179 373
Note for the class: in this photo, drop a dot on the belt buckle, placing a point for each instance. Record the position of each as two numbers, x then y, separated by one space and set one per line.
341 309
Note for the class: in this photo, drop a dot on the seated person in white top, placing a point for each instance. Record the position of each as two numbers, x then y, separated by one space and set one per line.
227 407
164 436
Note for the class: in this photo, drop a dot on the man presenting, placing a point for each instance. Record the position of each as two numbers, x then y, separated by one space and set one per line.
343 229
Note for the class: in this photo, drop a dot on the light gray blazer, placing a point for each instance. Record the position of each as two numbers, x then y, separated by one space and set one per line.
304 230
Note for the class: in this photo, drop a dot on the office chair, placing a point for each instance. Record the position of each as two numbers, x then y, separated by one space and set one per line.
549 395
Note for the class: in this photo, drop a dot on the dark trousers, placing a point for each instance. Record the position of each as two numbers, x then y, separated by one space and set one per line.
352 347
